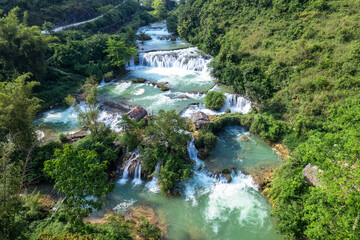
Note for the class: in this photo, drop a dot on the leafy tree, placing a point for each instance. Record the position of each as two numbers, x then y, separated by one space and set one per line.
48 27
22 48
171 23
80 176
118 53
214 100
160 11
10 175
206 139
17 111
89 115
166 142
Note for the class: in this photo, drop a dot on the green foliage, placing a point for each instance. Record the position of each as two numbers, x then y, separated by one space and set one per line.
59 12
22 48
89 116
147 230
160 11
102 144
269 128
166 142
171 23
298 61
206 139
40 155
133 132
118 53
214 100
78 174
10 174
18 107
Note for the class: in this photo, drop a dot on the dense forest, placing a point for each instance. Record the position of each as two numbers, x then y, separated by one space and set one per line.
299 62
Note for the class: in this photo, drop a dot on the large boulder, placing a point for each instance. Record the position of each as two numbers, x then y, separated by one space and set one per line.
310 173
199 119
137 113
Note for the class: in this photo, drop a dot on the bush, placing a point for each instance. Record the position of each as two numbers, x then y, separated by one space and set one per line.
206 140
214 100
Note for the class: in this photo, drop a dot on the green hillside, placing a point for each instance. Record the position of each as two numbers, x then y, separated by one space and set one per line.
299 62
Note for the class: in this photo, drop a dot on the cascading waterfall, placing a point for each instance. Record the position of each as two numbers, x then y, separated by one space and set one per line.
186 59
237 103
137 176
125 176
153 185
234 102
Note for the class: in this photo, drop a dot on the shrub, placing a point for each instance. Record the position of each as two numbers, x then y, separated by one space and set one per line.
214 100
206 140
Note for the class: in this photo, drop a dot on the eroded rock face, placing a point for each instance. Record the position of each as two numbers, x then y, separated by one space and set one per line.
199 119
310 173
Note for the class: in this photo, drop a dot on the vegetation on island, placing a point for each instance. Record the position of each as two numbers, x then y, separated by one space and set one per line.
163 140
298 61
214 100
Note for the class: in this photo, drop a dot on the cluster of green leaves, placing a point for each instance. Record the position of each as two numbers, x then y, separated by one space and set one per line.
22 49
298 61
163 140
214 100
58 11
147 230
206 140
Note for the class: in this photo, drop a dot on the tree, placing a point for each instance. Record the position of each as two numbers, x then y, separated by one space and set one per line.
147 3
80 176
118 53
214 100
22 48
160 11
48 27
88 116
10 174
18 108
167 143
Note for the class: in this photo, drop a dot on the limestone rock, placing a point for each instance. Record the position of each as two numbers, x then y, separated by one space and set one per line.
199 119
310 173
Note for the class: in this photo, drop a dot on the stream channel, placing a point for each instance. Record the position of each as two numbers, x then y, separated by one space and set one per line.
209 207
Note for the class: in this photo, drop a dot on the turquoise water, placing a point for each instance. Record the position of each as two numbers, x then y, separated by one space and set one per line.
209 207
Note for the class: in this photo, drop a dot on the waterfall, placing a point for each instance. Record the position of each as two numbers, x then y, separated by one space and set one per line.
234 102
125 176
187 59
237 103
137 177
153 185
193 154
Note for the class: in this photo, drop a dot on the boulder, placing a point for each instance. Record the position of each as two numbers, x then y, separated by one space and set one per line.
77 136
310 175
137 113
199 119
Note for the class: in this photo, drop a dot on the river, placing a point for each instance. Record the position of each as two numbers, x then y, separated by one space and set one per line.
209 207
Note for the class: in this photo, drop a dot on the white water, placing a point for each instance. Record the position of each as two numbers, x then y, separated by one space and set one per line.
153 185
137 176
125 176
233 102
186 59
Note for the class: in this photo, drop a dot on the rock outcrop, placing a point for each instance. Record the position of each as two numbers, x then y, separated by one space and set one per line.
310 173
77 136
199 119
137 113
